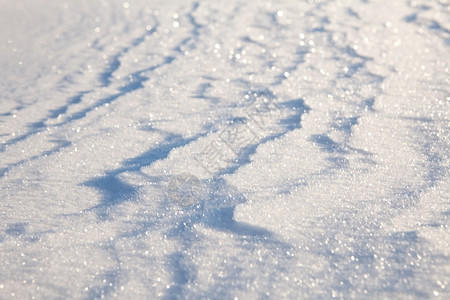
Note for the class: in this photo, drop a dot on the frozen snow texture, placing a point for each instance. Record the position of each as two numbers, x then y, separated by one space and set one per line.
313 138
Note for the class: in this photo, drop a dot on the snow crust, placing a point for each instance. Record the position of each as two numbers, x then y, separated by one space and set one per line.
236 150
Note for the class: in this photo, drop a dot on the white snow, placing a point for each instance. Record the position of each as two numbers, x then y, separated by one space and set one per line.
312 137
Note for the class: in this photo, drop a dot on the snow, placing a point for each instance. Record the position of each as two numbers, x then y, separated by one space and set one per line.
246 150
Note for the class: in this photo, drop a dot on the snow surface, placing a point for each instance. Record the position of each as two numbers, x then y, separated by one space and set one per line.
225 149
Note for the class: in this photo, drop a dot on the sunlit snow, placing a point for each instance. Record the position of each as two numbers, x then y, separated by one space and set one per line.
225 149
